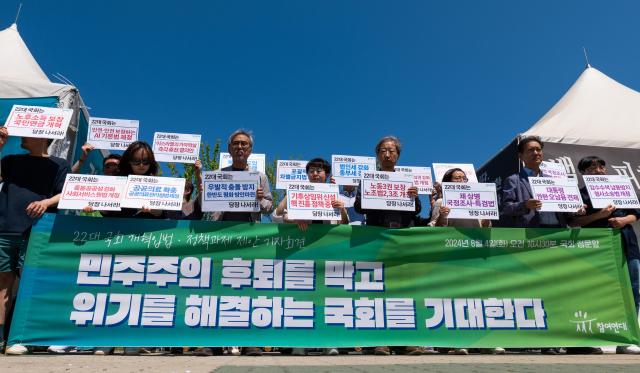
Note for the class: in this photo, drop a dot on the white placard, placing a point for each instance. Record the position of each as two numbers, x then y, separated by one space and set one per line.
421 177
99 192
347 169
312 201
112 134
38 121
387 191
176 147
290 172
471 200
553 169
230 191
560 195
154 192
439 169
256 162
605 190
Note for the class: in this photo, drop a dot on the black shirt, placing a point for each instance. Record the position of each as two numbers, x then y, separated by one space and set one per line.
28 179
629 238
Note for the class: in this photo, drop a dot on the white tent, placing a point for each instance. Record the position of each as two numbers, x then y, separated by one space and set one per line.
596 111
22 78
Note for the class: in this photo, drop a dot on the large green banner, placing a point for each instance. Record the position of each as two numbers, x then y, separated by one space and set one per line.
132 282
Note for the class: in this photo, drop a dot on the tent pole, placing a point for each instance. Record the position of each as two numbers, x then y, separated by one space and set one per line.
18 14
586 57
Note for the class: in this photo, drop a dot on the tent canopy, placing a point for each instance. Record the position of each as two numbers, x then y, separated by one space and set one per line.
596 111
20 74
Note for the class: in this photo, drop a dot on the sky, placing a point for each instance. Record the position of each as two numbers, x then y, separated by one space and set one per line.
454 80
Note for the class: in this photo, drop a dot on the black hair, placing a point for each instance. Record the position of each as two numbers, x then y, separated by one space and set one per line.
111 156
319 162
448 176
525 140
589 161
127 156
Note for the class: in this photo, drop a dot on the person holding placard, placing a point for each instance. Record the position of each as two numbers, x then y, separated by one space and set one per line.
137 159
439 217
610 217
387 152
31 185
318 171
240 146
519 208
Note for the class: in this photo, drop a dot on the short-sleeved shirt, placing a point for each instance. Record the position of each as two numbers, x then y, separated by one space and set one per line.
28 179
629 238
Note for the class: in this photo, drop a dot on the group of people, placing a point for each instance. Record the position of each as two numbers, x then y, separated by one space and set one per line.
32 184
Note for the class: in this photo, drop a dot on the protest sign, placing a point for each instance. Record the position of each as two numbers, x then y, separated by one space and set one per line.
616 190
387 191
176 147
159 193
38 121
312 201
290 171
439 169
256 162
471 200
139 282
347 169
230 191
99 192
560 195
554 170
421 177
112 134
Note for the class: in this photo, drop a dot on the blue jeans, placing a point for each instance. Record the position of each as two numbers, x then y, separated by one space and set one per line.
634 275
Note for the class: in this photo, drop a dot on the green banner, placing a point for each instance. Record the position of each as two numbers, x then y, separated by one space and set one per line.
133 282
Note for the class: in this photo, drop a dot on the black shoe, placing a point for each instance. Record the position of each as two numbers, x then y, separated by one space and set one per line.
584 351
550 351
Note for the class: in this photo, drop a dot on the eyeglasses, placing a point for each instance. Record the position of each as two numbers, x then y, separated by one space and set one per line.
318 170
111 166
460 178
595 167
240 144
138 162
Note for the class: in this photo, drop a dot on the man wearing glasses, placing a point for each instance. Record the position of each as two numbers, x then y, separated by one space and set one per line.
240 145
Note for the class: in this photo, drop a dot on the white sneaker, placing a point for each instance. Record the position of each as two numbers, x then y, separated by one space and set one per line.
16 349
59 349
235 351
331 351
631 349
498 351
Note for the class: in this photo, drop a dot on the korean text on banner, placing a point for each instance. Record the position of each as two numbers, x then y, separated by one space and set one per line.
387 191
289 171
616 190
230 191
256 162
439 169
312 201
99 192
347 169
138 282
560 195
38 121
112 134
421 177
471 200
176 147
161 193
554 170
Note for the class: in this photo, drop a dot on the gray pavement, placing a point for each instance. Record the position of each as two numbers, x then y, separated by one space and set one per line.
307 364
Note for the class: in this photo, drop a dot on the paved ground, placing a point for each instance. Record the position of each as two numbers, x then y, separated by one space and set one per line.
308 364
